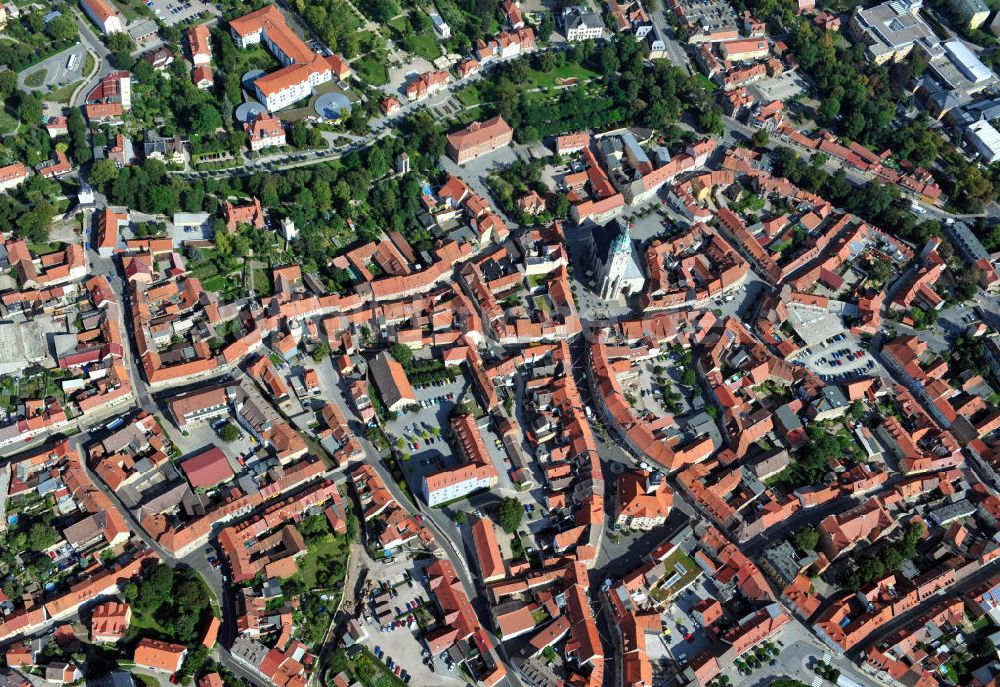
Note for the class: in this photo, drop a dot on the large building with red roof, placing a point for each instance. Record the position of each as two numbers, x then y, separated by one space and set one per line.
479 138
105 15
303 69
207 469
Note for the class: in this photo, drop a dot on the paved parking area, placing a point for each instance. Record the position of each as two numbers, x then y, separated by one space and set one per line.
57 69
680 622
201 436
177 11
839 358
403 645
428 450
782 87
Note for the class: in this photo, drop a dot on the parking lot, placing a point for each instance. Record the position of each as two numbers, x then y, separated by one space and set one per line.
423 434
399 598
839 358
201 435
783 87
176 11
61 69
682 636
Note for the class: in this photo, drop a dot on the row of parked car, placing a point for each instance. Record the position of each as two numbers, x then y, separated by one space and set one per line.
392 665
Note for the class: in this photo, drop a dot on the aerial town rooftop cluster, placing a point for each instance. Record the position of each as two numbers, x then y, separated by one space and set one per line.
657 415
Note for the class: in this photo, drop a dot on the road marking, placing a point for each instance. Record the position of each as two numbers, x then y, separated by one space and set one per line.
817 681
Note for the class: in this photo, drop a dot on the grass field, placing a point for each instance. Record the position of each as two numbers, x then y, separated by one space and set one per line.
214 283
372 672
88 63
371 71
334 546
469 96
63 93
423 44
548 79
8 124
129 9
36 78
146 680
146 622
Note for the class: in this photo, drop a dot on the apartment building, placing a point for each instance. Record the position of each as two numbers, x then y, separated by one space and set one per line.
476 472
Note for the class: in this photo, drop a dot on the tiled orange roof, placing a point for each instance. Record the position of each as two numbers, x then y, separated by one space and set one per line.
152 653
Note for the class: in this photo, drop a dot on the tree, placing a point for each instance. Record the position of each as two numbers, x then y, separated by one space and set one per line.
8 82
509 514
229 432
156 588
62 28
300 134
103 173
402 353
321 352
857 409
204 119
79 150
760 138
29 109
806 539
545 26
41 536
191 596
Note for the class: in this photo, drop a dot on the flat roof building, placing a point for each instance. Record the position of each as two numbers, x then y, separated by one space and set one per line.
985 139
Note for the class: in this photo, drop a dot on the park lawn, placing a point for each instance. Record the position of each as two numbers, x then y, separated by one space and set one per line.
63 93
372 71
423 44
706 82
256 57
548 79
214 283
469 96
36 78
398 24
143 621
8 124
331 546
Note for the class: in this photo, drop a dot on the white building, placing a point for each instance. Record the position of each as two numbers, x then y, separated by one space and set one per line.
985 139
580 25
288 229
303 69
102 13
441 28
614 262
